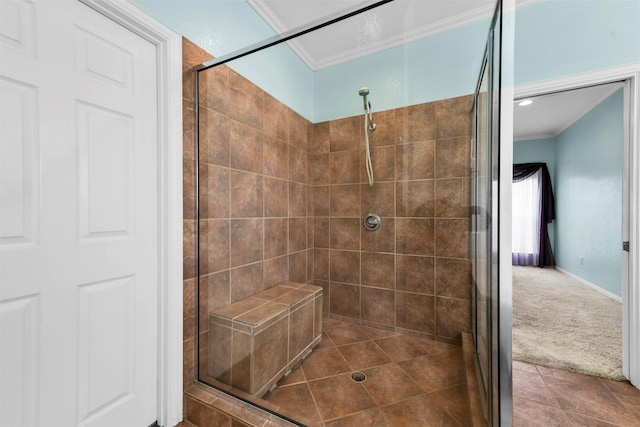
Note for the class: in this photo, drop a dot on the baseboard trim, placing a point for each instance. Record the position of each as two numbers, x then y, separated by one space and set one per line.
591 285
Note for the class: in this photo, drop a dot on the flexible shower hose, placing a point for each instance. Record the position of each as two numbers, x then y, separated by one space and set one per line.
367 150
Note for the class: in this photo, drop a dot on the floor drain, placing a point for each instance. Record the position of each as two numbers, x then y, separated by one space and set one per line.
358 377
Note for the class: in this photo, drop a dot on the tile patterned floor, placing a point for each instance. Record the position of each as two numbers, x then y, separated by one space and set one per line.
410 381
551 397
417 382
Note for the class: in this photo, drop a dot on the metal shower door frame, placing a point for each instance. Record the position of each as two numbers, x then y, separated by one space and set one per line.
495 216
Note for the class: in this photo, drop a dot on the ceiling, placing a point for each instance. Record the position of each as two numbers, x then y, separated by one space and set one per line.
551 114
386 26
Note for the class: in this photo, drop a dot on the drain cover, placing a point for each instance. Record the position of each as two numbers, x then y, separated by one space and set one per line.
358 377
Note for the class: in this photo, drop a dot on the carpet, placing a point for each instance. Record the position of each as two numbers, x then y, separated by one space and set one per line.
561 323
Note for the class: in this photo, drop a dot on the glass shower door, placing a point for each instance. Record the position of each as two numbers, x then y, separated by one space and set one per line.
480 233
491 287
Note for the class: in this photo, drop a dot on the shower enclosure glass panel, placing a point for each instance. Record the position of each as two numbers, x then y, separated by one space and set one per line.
481 229
281 201
491 322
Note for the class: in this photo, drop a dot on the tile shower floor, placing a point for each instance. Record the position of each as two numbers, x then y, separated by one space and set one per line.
410 381
418 382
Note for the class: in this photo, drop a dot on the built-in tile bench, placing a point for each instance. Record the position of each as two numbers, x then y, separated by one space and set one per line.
256 341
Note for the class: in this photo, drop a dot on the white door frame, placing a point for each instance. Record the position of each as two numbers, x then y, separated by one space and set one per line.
169 72
631 191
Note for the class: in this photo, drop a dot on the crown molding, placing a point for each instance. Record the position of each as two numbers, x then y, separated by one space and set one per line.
444 25
533 137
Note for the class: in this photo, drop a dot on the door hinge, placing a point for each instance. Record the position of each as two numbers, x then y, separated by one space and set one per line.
625 246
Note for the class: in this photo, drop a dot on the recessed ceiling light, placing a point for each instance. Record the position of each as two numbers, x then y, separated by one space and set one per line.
525 102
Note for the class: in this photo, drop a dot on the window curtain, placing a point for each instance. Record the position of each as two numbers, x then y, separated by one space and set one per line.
533 210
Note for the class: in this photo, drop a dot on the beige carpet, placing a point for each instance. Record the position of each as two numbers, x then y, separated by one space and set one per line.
562 323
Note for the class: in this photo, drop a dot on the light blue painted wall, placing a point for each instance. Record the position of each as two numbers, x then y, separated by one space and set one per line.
539 151
224 26
589 195
556 38
443 66
536 150
217 26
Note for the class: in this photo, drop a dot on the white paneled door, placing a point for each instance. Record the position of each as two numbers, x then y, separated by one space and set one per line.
78 218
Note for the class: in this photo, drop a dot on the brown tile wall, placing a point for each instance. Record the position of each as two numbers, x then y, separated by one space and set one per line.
254 230
413 272
192 55
283 199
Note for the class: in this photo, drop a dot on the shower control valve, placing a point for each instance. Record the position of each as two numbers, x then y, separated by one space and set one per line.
371 222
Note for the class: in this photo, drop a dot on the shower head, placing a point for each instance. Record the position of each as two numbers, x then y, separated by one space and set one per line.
364 91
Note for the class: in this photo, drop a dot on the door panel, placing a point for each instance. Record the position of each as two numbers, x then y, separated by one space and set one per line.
78 218
20 342
106 347
19 174
18 26
105 151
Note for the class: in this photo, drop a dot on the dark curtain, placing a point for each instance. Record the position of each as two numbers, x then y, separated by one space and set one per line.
521 172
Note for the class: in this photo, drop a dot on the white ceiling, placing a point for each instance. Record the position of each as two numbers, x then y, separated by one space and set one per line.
386 26
551 114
